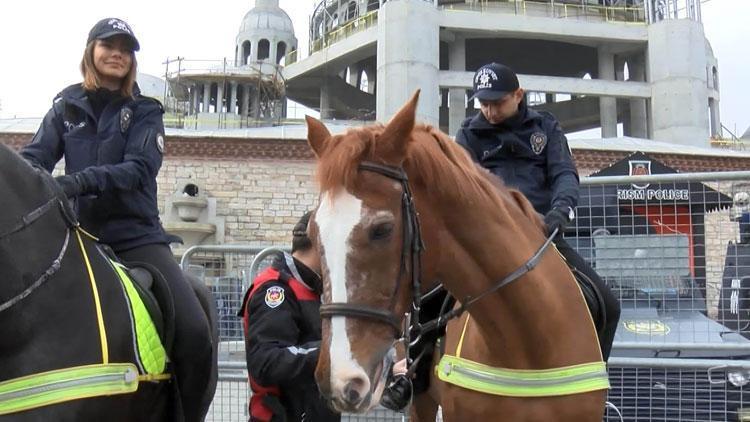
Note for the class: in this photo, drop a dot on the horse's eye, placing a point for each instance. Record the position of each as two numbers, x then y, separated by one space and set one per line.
381 231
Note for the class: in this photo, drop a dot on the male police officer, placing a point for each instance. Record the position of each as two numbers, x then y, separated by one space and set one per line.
529 151
281 315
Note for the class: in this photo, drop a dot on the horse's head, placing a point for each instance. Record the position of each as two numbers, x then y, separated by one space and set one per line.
365 255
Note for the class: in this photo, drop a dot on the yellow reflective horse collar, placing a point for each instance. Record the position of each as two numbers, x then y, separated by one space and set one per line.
475 376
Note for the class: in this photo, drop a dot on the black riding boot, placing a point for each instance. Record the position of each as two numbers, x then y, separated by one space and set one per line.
611 305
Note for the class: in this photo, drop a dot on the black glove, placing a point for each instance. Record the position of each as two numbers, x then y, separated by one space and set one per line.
557 218
398 394
71 184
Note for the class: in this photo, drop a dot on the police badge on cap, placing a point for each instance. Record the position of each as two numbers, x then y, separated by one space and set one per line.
538 141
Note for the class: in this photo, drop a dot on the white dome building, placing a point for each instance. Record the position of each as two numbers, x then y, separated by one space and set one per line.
266 33
246 91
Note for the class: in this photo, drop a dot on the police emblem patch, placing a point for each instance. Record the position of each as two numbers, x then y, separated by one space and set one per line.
274 296
538 141
160 143
126 116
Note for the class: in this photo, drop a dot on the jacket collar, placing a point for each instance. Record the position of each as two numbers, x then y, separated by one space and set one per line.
75 94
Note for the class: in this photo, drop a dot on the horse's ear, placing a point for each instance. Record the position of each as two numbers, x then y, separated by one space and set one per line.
317 134
392 143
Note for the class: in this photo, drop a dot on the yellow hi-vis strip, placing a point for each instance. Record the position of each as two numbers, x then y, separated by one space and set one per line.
475 376
97 303
68 384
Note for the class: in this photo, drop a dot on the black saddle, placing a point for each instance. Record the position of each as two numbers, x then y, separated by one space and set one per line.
154 291
594 300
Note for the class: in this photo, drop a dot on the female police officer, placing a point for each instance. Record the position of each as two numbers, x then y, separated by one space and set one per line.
112 140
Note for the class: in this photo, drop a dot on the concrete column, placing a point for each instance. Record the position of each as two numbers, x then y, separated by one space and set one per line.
272 50
325 100
194 98
219 97
713 110
607 105
456 96
408 63
253 50
254 110
245 101
620 68
232 104
206 96
677 72
354 70
638 117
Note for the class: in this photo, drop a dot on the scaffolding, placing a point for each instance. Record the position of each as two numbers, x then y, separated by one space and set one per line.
215 94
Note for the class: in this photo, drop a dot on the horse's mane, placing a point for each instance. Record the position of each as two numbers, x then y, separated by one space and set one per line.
425 163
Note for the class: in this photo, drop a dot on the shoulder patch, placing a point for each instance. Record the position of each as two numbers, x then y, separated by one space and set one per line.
537 141
160 143
274 296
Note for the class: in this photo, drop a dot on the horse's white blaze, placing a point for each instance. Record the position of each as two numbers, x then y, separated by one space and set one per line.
336 218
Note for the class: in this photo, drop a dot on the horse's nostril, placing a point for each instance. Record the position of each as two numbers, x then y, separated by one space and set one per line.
353 391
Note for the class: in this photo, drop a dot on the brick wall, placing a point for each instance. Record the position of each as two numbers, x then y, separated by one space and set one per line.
262 186
260 200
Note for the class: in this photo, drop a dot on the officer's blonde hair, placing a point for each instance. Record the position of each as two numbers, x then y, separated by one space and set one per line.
91 79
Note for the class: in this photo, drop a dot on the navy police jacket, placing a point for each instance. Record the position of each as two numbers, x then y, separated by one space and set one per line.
281 319
529 152
119 155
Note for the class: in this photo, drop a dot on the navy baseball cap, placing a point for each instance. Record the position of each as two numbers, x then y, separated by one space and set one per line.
494 81
109 27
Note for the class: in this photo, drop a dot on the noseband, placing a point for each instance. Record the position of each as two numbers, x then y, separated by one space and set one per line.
410 256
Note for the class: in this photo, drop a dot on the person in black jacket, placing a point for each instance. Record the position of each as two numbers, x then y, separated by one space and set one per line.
281 317
112 139
528 151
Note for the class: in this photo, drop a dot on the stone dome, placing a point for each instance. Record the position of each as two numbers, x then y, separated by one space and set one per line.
266 15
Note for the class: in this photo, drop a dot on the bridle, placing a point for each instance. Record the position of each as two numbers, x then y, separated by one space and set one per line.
410 257
411 250
29 219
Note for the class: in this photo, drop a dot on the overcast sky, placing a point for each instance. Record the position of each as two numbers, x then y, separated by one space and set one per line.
41 43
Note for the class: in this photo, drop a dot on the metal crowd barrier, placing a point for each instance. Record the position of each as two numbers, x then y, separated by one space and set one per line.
674 249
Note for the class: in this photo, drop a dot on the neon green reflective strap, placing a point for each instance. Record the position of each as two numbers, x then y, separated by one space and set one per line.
63 385
150 350
523 383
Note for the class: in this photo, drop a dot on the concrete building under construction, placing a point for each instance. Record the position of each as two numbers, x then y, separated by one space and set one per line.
644 64
244 92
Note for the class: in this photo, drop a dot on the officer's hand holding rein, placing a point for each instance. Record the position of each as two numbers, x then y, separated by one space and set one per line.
72 184
558 218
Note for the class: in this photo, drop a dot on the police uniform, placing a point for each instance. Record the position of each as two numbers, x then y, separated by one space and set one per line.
116 155
113 147
281 318
528 152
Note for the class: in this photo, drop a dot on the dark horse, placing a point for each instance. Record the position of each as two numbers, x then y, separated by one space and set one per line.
68 350
526 348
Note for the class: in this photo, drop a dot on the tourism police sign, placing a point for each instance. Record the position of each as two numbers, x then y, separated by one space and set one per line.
645 192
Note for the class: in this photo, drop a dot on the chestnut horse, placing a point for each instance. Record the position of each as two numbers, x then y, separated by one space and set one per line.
402 203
